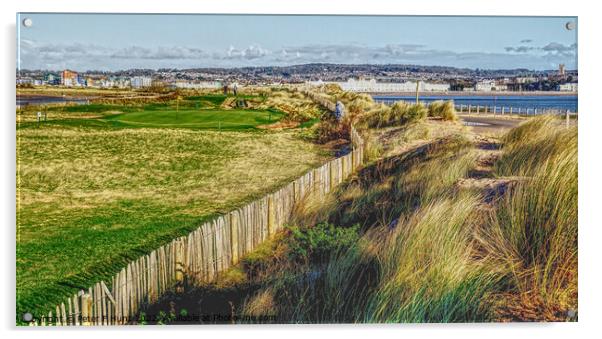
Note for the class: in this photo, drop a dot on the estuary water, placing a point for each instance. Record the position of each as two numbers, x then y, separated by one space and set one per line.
24 100
540 102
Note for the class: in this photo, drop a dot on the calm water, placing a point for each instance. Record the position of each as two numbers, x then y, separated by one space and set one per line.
515 101
24 100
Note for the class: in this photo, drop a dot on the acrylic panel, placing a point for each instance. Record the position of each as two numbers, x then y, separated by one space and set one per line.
259 169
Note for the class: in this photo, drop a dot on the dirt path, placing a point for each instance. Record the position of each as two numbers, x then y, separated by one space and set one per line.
482 177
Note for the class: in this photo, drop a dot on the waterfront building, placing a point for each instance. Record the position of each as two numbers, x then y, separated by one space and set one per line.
568 87
52 79
372 86
490 86
25 81
197 84
69 78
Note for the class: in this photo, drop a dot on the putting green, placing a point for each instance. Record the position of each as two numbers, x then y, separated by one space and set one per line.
210 119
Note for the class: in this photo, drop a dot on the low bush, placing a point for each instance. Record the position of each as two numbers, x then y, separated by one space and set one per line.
317 243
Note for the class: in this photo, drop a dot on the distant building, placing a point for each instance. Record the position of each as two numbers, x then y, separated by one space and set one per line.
118 82
525 80
568 87
25 81
432 87
69 78
372 86
489 86
197 84
561 70
93 82
140 82
52 79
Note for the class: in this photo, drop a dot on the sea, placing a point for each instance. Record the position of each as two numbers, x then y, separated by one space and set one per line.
540 102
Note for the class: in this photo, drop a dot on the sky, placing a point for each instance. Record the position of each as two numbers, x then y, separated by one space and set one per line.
112 42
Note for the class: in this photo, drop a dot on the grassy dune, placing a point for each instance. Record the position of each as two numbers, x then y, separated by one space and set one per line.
93 195
533 232
428 249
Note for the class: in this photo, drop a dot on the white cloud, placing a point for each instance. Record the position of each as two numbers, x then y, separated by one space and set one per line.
89 56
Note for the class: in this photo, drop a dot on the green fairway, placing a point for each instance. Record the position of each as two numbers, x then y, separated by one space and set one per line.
213 118
99 185
195 112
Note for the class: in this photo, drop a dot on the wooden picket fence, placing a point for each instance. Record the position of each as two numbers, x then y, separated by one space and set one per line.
199 257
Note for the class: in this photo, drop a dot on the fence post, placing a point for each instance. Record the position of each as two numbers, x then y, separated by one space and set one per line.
469 109
234 238
179 266
567 118
86 309
343 165
271 214
331 176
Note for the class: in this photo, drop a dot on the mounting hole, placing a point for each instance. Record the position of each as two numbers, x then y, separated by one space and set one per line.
570 25
27 317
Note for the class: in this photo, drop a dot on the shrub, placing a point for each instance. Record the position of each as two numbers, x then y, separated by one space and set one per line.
319 242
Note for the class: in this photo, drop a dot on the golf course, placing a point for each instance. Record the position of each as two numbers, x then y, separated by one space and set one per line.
100 184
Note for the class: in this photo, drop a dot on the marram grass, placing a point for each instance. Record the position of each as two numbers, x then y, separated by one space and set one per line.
433 252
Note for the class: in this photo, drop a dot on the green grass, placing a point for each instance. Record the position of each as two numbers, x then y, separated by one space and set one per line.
95 193
210 119
213 99
183 114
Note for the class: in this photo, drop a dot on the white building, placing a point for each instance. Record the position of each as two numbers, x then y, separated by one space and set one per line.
484 86
432 87
372 86
489 86
568 87
197 84
140 82
525 80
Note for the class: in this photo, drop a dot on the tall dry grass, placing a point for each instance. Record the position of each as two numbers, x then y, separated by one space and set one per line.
400 113
443 109
428 270
433 252
415 261
533 232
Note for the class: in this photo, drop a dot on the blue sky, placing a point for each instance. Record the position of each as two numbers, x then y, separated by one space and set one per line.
122 41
